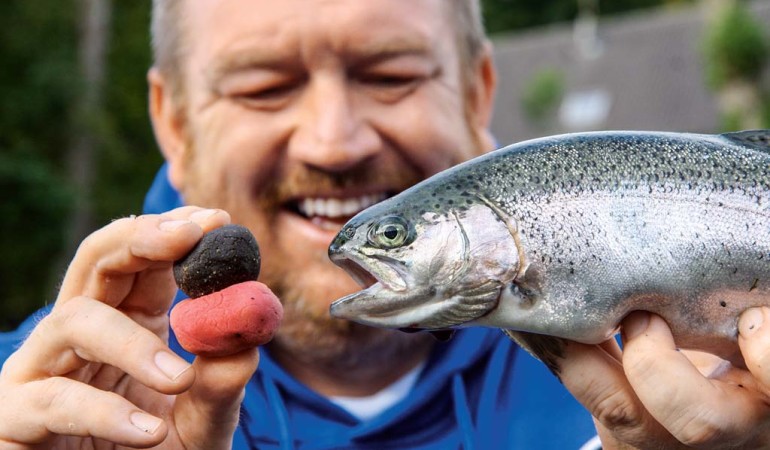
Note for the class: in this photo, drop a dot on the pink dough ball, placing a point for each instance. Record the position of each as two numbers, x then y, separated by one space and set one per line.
225 322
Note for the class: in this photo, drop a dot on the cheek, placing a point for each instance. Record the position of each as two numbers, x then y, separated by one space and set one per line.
430 129
232 155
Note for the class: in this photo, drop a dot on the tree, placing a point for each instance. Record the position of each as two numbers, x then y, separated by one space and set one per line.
736 51
92 45
37 95
40 120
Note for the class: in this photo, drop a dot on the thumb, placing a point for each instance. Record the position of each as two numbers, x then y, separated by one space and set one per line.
754 341
207 414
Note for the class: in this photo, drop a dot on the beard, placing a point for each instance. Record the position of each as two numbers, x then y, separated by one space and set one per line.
306 282
311 336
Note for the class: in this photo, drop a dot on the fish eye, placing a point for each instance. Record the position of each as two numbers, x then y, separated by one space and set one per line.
390 232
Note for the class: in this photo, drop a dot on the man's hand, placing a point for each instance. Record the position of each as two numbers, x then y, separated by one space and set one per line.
653 396
98 368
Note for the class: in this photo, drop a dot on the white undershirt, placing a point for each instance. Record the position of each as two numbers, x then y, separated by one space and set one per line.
365 408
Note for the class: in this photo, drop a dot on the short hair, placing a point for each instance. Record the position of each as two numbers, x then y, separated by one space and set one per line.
169 49
167 40
469 29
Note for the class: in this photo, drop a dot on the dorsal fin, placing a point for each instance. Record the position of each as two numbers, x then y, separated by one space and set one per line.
756 139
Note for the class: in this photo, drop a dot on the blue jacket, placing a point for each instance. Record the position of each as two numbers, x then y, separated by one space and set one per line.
477 391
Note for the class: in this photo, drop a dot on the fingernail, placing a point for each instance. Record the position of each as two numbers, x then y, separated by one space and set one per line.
171 365
202 215
145 422
171 225
750 321
635 324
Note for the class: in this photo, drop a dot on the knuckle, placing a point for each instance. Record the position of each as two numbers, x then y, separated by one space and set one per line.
65 318
640 366
57 394
136 339
70 327
91 246
63 411
618 412
51 326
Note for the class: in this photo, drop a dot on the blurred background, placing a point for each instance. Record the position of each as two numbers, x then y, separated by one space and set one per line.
76 147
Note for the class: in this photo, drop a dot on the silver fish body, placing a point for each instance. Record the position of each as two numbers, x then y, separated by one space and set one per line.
564 236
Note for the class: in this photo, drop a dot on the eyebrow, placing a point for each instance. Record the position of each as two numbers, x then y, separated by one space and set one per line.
243 60
359 54
364 59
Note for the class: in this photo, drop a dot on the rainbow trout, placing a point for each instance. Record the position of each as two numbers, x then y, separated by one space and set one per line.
561 237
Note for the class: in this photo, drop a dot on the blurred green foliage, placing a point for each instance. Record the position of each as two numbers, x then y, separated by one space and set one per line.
736 53
130 156
735 47
37 89
30 235
542 95
38 47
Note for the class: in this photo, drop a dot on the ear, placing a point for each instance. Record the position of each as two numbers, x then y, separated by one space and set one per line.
482 93
168 125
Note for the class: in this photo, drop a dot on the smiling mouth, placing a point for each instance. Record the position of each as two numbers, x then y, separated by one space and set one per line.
330 213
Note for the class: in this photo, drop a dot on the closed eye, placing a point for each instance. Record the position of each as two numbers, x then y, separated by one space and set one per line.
390 88
390 81
268 98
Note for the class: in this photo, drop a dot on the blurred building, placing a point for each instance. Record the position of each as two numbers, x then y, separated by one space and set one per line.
642 71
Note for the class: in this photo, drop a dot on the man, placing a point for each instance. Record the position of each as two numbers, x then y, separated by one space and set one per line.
288 117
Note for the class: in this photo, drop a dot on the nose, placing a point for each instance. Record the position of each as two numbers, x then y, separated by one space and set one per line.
332 133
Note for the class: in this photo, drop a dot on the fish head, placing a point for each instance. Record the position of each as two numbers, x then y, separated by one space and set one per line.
423 268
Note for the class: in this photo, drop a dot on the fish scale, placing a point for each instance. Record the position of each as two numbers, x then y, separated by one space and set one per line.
561 237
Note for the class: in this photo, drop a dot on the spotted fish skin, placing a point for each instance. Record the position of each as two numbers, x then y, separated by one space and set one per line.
563 236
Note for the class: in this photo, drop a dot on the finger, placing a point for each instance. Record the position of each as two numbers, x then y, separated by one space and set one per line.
697 410
86 330
595 377
36 411
207 414
106 262
157 282
754 341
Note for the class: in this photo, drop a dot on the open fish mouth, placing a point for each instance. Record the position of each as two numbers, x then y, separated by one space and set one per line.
384 301
363 277
392 298
415 308
377 270
383 291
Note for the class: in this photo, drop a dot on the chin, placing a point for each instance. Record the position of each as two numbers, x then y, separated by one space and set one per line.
343 345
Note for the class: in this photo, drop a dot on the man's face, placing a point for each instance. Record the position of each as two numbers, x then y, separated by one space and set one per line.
300 113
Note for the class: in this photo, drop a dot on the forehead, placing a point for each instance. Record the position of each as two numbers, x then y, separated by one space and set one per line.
306 28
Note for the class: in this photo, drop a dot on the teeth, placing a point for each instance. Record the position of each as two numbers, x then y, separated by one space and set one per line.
333 207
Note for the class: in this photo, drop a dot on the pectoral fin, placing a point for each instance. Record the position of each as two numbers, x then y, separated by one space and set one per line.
548 349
